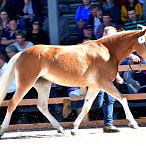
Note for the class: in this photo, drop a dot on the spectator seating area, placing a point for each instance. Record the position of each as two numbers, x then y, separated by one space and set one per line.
68 9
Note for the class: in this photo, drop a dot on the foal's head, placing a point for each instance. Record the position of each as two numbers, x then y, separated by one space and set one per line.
123 43
140 45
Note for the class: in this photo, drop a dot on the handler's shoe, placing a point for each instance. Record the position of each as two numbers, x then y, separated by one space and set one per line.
110 129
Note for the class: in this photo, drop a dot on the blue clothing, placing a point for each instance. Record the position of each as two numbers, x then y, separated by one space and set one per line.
74 91
108 109
125 61
8 35
107 102
82 13
114 10
102 100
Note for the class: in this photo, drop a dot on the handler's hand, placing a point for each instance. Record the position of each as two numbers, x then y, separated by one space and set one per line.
135 58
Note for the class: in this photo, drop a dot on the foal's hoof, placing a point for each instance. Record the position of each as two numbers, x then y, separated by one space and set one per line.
1 133
73 132
133 126
61 130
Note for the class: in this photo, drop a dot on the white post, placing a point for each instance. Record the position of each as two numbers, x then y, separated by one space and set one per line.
53 21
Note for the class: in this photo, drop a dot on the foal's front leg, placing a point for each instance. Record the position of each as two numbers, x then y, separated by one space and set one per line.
112 90
89 98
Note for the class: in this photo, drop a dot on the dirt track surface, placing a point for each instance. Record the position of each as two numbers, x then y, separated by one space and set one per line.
86 137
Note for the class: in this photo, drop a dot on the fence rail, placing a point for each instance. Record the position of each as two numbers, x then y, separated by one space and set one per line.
26 102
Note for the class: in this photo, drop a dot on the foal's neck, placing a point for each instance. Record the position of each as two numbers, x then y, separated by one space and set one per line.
121 44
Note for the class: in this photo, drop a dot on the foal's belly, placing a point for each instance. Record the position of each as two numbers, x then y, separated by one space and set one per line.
71 81
62 81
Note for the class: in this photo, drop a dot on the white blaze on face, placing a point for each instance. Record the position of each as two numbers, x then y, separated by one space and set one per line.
141 39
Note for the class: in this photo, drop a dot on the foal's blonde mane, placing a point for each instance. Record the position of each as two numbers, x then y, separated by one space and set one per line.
122 34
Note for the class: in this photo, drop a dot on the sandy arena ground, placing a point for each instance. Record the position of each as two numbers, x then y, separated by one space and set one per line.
87 137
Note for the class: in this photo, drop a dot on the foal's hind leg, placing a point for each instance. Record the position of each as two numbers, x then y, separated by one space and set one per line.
43 87
112 90
89 98
18 96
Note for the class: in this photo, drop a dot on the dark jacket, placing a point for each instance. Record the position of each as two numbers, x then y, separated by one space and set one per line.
15 8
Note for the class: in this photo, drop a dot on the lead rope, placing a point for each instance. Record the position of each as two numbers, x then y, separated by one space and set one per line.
130 62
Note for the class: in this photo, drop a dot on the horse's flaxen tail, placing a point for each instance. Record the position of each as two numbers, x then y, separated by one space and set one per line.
7 76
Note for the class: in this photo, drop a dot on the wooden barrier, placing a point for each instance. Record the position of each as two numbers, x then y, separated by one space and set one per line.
26 102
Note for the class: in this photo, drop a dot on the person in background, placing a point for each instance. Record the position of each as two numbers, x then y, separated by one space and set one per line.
21 42
64 32
131 4
4 26
112 7
36 35
11 50
106 21
95 17
88 33
9 35
133 21
131 24
31 9
4 21
82 16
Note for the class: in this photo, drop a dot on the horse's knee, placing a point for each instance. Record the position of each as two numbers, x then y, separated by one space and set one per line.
85 110
11 106
88 106
41 107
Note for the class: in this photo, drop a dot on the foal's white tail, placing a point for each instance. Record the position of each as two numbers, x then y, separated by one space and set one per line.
7 76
